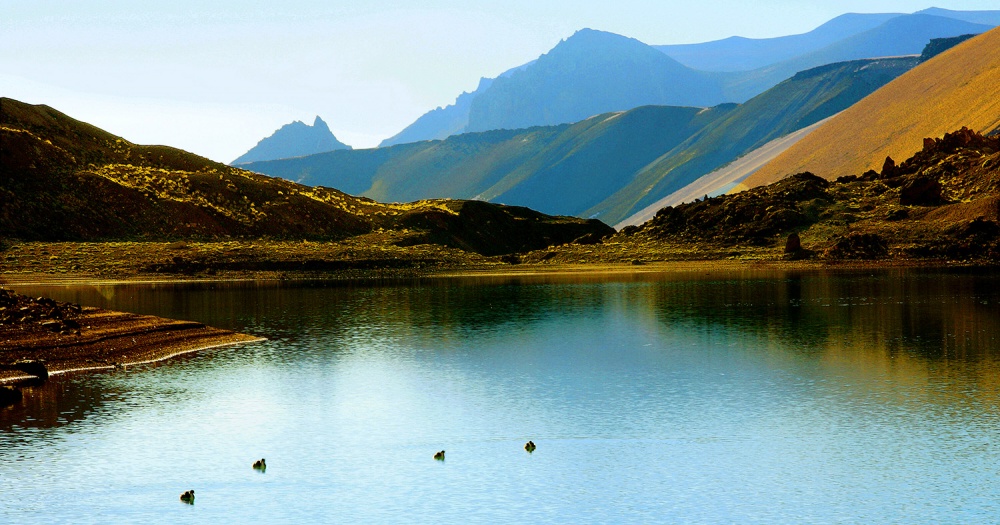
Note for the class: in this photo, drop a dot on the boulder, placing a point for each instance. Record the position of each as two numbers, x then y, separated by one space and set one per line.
889 167
859 246
921 191
793 244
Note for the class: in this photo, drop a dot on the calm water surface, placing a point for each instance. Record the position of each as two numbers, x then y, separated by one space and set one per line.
683 398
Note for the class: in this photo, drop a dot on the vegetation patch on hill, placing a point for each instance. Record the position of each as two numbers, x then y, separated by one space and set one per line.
65 180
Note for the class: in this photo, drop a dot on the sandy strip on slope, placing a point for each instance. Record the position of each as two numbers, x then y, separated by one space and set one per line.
723 179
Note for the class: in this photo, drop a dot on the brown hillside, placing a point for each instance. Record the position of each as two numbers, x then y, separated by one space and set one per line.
960 87
66 180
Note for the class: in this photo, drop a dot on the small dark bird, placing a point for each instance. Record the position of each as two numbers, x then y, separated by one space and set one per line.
529 446
439 456
260 464
188 497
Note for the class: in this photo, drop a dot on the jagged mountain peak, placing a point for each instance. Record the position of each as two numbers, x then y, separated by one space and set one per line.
295 139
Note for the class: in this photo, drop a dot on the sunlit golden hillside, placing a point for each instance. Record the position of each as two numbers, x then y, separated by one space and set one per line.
960 87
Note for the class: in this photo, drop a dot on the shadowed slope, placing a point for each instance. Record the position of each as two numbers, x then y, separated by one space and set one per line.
558 169
62 179
804 99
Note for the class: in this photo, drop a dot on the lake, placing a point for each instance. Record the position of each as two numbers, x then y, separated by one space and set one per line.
740 397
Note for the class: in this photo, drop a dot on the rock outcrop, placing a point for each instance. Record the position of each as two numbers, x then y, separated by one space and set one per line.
944 201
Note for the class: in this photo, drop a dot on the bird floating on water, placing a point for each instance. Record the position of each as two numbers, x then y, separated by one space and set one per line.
188 497
439 456
529 446
260 464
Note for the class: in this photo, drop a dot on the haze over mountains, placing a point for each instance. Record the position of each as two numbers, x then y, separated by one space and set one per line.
608 166
902 35
738 53
293 140
594 72
589 73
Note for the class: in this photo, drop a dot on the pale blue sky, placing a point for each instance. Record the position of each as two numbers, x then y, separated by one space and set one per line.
214 77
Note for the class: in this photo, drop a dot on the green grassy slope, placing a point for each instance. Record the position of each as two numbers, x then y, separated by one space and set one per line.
589 162
608 166
806 98
566 167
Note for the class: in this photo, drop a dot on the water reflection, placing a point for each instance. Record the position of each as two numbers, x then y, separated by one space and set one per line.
912 325
752 397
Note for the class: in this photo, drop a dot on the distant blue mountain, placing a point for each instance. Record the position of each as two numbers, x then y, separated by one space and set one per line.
589 73
898 36
607 166
293 140
440 123
738 53
595 72
991 18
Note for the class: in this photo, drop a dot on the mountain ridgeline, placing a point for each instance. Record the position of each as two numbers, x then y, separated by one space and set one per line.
293 140
440 123
594 72
608 166
65 180
738 53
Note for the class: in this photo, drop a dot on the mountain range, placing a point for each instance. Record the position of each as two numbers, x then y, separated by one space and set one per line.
594 72
609 166
293 140
738 53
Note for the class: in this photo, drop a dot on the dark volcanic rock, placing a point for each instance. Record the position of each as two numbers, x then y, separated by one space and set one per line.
979 229
793 243
859 246
752 216
10 395
888 167
493 229
921 191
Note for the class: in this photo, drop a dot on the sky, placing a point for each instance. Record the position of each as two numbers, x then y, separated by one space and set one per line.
215 77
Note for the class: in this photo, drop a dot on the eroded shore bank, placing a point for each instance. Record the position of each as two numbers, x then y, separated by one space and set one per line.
68 337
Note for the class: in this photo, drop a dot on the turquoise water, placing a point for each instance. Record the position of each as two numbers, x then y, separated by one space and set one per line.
678 398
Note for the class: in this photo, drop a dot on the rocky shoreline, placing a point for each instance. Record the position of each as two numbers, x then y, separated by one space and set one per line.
67 337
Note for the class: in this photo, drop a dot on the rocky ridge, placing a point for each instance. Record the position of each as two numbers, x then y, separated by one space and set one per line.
944 202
